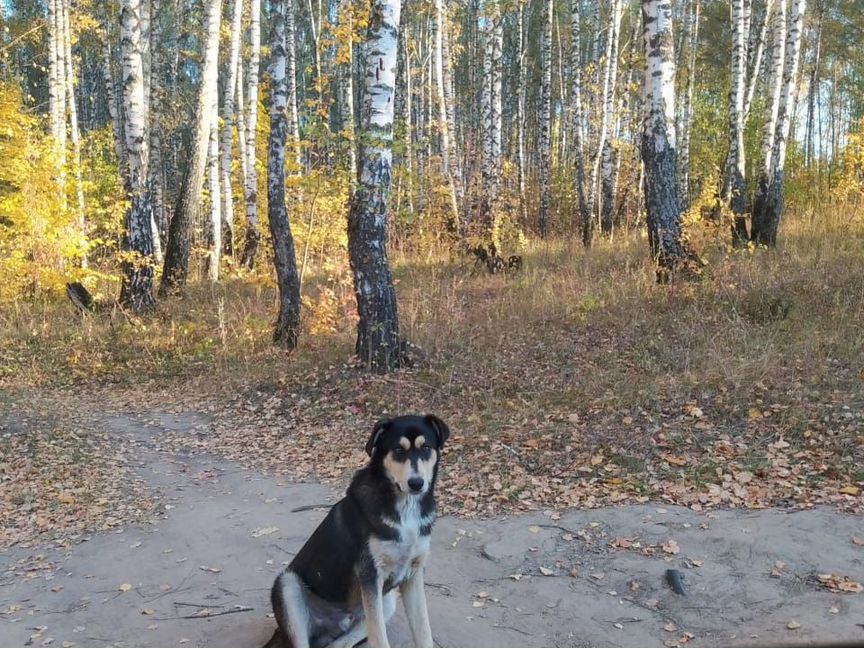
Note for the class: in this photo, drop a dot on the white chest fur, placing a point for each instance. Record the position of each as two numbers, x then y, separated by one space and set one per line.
396 560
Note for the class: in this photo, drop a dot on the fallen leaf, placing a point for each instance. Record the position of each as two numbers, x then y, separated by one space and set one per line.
850 490
516 577
482 595
125 587
833 610
215 570
671 547
793 625
148 612
263 531
670 627
534 528
858 541
478 604
546 571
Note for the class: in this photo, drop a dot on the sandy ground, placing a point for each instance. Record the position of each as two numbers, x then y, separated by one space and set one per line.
535 580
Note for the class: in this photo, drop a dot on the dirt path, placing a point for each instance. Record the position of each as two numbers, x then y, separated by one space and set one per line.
534 580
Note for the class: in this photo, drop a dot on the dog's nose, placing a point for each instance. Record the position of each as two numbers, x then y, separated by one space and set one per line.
416 484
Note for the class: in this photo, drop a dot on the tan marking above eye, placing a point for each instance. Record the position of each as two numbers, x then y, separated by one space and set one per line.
420 441
405 443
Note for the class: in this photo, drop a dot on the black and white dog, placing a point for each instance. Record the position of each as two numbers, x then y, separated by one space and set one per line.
341 587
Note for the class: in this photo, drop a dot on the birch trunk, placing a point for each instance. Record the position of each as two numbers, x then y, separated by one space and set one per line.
520 113
157 178
188 210
253 232
137 291
545 139
658 139
756 58
378 341
609 78
228 112
735 190
240 116
774 88
288 320
443 123
214 256
607 162
765 231
74 134
578 127
291 87
812 94
407 100
492 32
455 166
692 40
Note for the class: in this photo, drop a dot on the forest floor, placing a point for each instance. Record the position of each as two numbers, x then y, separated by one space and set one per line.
210 536
580 394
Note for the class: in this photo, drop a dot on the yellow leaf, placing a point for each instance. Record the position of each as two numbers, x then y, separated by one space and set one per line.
850 490
125 587
793 625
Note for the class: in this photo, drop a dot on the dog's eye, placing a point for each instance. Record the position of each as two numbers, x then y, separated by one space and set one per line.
399 453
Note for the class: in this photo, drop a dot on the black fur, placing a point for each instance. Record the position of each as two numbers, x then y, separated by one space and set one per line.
336 555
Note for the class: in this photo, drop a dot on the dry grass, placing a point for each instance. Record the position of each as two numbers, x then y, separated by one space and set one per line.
584 380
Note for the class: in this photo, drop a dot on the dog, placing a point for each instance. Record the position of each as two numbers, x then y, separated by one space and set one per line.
341 587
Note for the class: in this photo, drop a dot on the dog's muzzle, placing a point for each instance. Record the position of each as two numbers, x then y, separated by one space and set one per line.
416 484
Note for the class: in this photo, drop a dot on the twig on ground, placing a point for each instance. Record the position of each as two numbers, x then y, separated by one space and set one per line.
204 616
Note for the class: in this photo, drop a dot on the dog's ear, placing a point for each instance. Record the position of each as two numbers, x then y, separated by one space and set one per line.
440 428
377 431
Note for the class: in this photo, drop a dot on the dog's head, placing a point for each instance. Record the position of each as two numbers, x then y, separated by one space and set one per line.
407 448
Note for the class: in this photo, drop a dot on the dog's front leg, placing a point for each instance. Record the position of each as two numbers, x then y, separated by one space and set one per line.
414 599
372 595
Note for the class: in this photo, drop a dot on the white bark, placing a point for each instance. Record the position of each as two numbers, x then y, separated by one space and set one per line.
228 112
687 107
74 134
253 234
347 86
545 143
578 126
215 228
734 193
756 58
291 86
443 124
658 139
137 288
775 84
789 89
378 341
609 83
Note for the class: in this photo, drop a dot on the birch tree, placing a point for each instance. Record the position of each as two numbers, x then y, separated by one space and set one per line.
492 33
734 189
658 138
188 210
766 220
545 140
72 108
253 232
686 122
288 320
228 114
578 126
443 123
603 156
214 230
378 342
520 110
137 290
